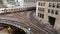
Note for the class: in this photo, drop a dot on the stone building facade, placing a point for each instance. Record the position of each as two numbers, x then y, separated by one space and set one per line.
49 13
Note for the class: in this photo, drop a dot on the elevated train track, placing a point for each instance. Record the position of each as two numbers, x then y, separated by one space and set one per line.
32 23
13 23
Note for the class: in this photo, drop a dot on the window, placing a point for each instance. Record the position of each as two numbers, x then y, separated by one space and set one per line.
48 10
40 15
56 12
54 4
41 9
50 4
58 5
52 11
39 3
43 4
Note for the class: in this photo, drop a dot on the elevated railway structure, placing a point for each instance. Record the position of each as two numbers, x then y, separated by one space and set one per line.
29 25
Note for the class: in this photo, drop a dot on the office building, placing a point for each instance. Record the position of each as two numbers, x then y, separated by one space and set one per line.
49 13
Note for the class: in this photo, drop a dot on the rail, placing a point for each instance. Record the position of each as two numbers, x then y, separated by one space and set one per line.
14 23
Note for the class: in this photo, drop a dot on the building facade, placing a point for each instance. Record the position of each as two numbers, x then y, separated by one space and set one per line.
16 2
11 1
49 13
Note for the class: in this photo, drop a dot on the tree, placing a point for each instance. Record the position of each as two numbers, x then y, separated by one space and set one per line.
1 1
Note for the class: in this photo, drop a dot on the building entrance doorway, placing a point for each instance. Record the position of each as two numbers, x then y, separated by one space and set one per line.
52 20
